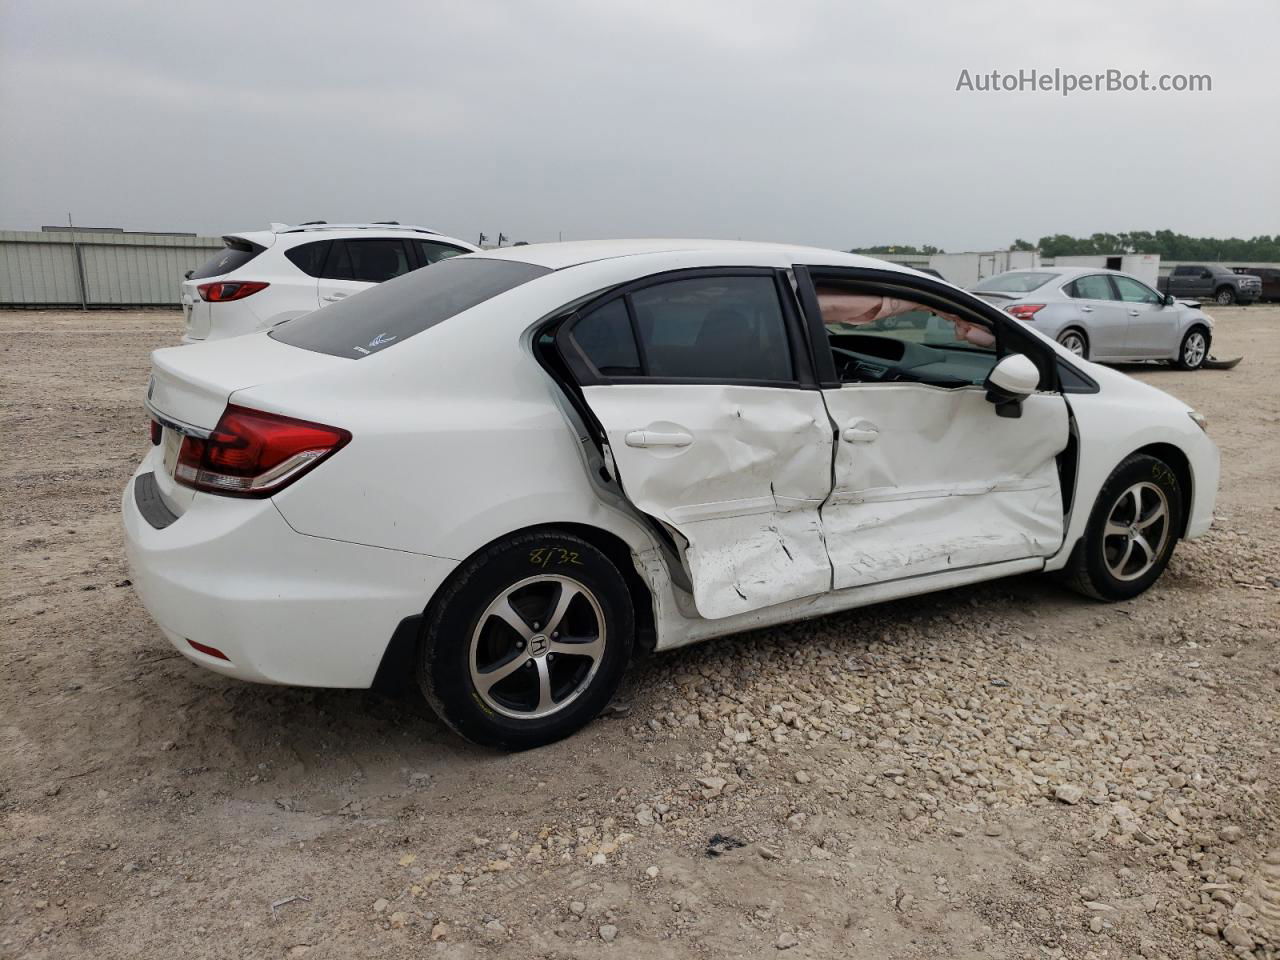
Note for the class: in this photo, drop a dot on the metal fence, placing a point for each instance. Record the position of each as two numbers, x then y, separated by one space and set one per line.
97 269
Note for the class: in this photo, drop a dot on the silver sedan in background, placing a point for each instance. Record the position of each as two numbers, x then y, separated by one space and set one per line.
1103 315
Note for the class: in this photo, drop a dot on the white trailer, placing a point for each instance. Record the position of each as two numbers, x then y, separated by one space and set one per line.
1144 266
966 269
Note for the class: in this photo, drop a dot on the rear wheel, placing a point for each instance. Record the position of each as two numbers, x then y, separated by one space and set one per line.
1132 531
528 641
1075 341
1225 296
1194 349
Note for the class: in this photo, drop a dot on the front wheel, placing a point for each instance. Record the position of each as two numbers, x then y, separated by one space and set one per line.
1194 349
1131 532
1225 296
528 641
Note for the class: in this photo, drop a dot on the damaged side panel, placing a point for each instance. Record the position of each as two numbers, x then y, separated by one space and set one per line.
739 472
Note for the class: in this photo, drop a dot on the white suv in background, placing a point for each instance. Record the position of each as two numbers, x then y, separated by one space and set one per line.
263 278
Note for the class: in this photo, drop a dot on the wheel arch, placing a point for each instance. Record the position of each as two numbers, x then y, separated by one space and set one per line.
396 669
1181 466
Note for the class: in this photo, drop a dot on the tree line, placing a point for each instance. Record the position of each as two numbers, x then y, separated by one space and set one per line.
1170 246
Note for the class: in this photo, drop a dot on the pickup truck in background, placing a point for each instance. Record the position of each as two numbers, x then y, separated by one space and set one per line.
1211 281
1270 277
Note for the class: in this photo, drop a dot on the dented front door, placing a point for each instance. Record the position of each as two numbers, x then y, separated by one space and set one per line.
931 479
738 472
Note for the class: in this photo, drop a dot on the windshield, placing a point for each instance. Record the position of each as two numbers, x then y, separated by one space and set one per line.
1015 281
394 311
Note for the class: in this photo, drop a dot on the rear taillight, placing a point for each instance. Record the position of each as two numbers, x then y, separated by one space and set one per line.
224 290
157 433
254 454
1024 311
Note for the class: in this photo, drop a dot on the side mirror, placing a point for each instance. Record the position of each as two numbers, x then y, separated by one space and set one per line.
1010 382
1168 300
187 275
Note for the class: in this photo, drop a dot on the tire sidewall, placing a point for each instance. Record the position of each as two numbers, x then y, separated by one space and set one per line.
1135 469
443 663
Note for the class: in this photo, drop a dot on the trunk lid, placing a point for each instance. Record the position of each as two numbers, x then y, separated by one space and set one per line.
191 386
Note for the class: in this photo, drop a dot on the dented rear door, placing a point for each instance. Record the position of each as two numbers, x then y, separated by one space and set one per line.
697 383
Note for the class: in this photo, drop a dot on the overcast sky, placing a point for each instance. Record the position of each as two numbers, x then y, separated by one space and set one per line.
833 123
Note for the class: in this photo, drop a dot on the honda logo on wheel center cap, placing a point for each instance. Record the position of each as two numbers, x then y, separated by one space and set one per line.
538 644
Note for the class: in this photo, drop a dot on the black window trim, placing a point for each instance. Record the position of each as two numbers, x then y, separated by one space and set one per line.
927 292
585 373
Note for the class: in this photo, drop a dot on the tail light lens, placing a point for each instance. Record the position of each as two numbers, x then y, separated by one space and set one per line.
1024 311
157 433
255 454
222 291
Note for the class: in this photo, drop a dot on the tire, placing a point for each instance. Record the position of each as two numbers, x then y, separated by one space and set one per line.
1108 563
1076 341
472 631
1224 296
1194 349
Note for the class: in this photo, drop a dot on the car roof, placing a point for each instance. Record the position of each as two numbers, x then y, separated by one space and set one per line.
557 256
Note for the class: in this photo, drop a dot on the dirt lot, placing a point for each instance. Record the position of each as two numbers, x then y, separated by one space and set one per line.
1006 772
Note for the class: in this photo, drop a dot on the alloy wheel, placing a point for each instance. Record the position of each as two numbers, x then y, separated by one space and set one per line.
1137 530
1073 342
537 647
1193 350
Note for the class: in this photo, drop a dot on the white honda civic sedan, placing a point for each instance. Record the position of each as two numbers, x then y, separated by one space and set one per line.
501 476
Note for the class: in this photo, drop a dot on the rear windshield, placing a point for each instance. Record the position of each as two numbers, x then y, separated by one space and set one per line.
234 256
392 312
1015 282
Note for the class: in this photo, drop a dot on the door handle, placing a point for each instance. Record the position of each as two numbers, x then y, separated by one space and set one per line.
331 297
1133 313
1086 309
860 433
658 438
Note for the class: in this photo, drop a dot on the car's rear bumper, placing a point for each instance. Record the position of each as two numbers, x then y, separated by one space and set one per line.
283 607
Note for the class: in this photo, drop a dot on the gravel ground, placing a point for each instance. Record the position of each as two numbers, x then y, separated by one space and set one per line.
1002 772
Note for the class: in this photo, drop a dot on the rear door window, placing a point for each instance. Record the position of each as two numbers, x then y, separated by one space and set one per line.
708 328
392 312
606 339
376 260
713 328
1094 287
233 256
